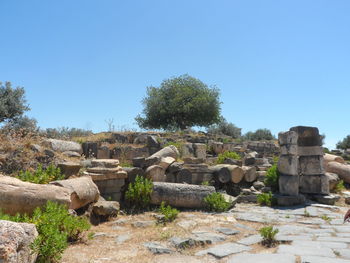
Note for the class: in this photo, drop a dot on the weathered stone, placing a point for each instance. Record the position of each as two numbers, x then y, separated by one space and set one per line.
193 160
156 173
310 150
251 240
305 251
333 180
152 160
184 176
314 184
321 259
333 158
143 224
307 136
106 208
90 149
181 243
63 146
71 154
319 244
157 248
106 163
166 162
83 190
15 241
200 150
258 185
224 250
343 170
187 150
69 168
103 152
288 165
122 238
180 195
227 231
24 197
169 151
175 167
262 258
138 162
290 200
133 172
311 165
208 237
288 138
289 184
326 199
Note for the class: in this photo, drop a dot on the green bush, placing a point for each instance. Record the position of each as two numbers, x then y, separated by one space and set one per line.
227 155
216 202
41 176
168 212
56 227
266 199
138 194
268 234
272 176
339 187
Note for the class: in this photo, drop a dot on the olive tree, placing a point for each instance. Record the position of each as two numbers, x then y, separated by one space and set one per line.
12 102
259 135
179 103
344 144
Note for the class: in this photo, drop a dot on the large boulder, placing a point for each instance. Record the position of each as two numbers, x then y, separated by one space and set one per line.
15 240
83 190
17 196
343 170
63 146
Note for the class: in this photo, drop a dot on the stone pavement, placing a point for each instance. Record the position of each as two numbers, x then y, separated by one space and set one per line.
310 234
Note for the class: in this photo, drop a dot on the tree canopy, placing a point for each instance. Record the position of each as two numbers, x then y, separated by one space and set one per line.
12 102
259 135
344 144
179 103
226 128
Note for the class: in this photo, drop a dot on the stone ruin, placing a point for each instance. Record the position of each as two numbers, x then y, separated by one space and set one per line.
301 163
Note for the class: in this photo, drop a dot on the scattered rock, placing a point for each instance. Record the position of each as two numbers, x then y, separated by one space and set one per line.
157 248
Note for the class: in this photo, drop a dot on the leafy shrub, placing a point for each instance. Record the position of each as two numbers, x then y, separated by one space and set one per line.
205 183
216 202
168 212
266 199
227 155
272 176
138 194
56 227
41 176
268 234
339 187
344 144
66 132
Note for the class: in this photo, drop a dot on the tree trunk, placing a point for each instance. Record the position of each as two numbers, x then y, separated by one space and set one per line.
180 195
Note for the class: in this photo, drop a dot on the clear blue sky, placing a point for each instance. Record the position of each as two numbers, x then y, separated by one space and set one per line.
277 63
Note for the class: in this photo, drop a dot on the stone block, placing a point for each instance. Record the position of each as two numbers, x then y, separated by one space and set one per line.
314 184
288 165
103 153
289 137
200 150
288 200
187 150
289 184
310 150
289 149
307 136
311 165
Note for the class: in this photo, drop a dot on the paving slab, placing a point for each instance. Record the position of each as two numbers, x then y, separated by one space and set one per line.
305 251
319 259
319 244
251 240
334 239
343 253
285 238
224 250
157 248
262 258
227 231
208 237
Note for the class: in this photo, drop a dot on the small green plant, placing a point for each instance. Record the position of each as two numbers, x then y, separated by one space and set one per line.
216 202
206 183
91 235
41 176
272 176
168 212
227 155
125 164
56 227
268 233
138 194
337 253
266 199
339 187
326 218
306 213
